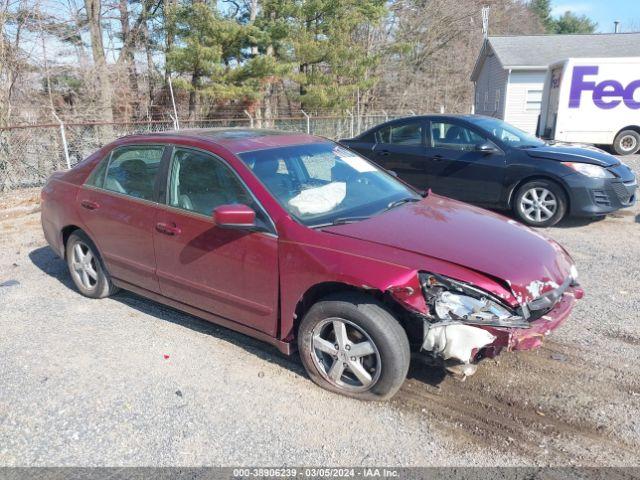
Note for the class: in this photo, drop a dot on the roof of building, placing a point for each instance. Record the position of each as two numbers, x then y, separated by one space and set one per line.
538 51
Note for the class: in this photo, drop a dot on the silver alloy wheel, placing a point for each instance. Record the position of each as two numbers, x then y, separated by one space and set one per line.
345 355
83 266
538 204
629 143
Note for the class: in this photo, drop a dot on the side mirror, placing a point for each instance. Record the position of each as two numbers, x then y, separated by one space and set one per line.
487 148
236 216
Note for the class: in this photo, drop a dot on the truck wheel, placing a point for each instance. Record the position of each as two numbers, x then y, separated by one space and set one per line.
351 344
627 142
540 203
86 268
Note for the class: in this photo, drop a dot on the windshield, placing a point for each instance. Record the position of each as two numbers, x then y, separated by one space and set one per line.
509 134
324 183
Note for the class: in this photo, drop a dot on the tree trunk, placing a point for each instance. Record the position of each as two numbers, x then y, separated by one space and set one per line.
94 17
193 94
151 70
169 30
128 55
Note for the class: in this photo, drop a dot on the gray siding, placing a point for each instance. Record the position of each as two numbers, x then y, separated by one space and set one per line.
522 111
491 88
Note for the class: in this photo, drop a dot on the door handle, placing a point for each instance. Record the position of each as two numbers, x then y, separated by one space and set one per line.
437 158
89 205
168 229
384 153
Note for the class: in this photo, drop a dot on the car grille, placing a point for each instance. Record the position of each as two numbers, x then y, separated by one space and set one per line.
624 192
601 198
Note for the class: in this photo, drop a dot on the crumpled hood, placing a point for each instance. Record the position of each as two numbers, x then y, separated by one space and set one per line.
471 237
571 153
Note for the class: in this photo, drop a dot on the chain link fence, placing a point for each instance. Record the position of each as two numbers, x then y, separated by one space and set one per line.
30 153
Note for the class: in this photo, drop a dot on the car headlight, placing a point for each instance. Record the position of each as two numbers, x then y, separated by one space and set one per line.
451 300
593 171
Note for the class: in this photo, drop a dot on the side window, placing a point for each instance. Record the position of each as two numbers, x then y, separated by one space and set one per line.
404 134
368 138
133 171
96 177
200 183
453 137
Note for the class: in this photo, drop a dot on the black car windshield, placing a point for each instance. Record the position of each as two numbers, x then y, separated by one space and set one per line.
508 134
324 183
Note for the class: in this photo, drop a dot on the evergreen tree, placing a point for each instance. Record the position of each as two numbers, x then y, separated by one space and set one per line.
569 22
213 50
324 39
542 8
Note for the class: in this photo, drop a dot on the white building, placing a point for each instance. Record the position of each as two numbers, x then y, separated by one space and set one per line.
510 70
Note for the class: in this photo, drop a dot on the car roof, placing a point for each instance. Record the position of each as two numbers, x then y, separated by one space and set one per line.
432 116
239 140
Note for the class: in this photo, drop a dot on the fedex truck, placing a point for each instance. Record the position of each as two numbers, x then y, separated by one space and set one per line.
593 100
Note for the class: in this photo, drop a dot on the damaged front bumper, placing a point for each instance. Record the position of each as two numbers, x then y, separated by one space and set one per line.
462 345
531 338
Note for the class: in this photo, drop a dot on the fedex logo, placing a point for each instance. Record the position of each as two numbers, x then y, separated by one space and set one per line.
607 94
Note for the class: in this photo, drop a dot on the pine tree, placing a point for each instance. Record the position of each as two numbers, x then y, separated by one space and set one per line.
323 38
569 22
212 49
542 8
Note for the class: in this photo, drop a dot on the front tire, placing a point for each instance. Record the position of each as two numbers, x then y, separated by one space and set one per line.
627 142
540 203
351 344
86 268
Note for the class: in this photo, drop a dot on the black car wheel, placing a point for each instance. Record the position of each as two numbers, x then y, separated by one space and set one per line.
351 344
627 142
540 203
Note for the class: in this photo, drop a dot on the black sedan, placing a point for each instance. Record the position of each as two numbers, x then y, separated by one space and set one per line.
488 162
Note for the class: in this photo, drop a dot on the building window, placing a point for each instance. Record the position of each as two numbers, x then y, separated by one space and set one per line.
486 101
497 104
533 100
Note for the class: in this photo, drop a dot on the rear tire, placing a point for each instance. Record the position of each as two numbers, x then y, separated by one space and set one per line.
627 142
351 344
86 267
540 203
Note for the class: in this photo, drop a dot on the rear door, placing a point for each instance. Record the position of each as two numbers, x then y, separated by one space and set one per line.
230 273
400 147
456 169
118 207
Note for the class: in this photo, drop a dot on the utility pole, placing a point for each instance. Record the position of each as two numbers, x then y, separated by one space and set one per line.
485 22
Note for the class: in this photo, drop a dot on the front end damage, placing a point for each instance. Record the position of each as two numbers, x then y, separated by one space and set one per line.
463 324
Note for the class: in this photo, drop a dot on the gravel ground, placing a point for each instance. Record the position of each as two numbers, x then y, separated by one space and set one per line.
126 382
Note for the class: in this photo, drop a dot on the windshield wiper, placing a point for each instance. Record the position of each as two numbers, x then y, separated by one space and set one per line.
402 201
343 220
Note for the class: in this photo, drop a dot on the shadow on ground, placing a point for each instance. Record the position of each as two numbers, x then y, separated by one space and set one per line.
46 260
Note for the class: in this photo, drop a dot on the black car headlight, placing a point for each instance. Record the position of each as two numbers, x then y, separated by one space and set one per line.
454 301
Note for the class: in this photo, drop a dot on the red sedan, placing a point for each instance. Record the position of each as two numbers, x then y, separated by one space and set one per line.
300 242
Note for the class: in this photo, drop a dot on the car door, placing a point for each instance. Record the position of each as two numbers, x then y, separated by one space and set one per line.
118 205
458 169
400 147
230 273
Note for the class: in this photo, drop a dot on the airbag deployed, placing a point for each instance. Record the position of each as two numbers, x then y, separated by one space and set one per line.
321 199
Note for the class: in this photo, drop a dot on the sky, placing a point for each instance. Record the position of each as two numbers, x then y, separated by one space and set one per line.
627 12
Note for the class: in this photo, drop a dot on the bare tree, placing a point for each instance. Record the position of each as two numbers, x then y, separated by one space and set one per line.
94 20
